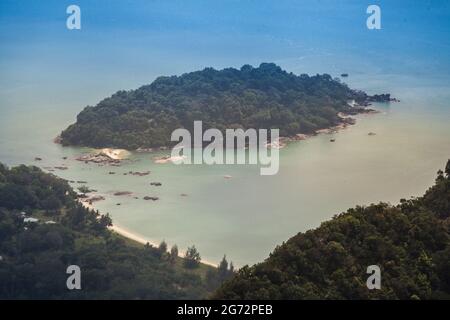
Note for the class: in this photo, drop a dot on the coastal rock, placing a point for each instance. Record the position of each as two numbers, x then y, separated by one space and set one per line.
141 150
151 198
140 174
297 137
115 154
123 193
363 99
105 156
301 136
94 199
166 159
325 130
276 144
384 97
97 158
57 140
163 159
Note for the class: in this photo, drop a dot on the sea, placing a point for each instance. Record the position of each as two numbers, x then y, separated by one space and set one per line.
50 73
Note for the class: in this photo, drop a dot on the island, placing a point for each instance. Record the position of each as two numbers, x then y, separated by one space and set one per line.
261 97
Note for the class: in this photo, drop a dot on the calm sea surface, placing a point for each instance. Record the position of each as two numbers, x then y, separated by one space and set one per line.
48 74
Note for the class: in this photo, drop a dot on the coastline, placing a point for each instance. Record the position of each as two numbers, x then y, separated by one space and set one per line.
117 154
138 238
347 120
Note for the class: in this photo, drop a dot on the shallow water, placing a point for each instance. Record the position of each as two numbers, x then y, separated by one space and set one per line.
48 74
248 215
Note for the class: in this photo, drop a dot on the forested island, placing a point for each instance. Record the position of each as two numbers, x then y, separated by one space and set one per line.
44 229
410 242
263 97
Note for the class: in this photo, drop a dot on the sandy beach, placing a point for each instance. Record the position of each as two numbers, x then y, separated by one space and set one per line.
138 238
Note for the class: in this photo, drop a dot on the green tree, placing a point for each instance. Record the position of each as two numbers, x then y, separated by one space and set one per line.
231 268
409 241
105 221
173 254
222 269
447 169
51 203
84 189
162 249
192 258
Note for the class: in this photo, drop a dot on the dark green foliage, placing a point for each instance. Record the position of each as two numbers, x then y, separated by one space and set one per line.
84 189
217 276
173 255
436 198
264 97
447 169
223 271
410 242
192 258
162 250
35 256
28 187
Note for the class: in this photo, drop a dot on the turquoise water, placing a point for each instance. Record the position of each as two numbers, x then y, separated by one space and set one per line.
48 74
248 215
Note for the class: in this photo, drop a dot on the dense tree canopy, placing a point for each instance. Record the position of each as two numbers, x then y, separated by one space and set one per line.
410 242
264 97
34 256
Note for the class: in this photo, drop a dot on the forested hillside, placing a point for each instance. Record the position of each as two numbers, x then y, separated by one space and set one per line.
410 242
34 255
263 97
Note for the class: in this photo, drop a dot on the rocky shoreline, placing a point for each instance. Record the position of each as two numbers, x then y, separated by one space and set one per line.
359 105
347 120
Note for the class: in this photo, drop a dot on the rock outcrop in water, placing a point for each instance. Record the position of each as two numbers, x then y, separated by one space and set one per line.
105 156
151 198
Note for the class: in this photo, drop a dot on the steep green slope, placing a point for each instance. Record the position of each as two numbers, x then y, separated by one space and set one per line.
410 242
